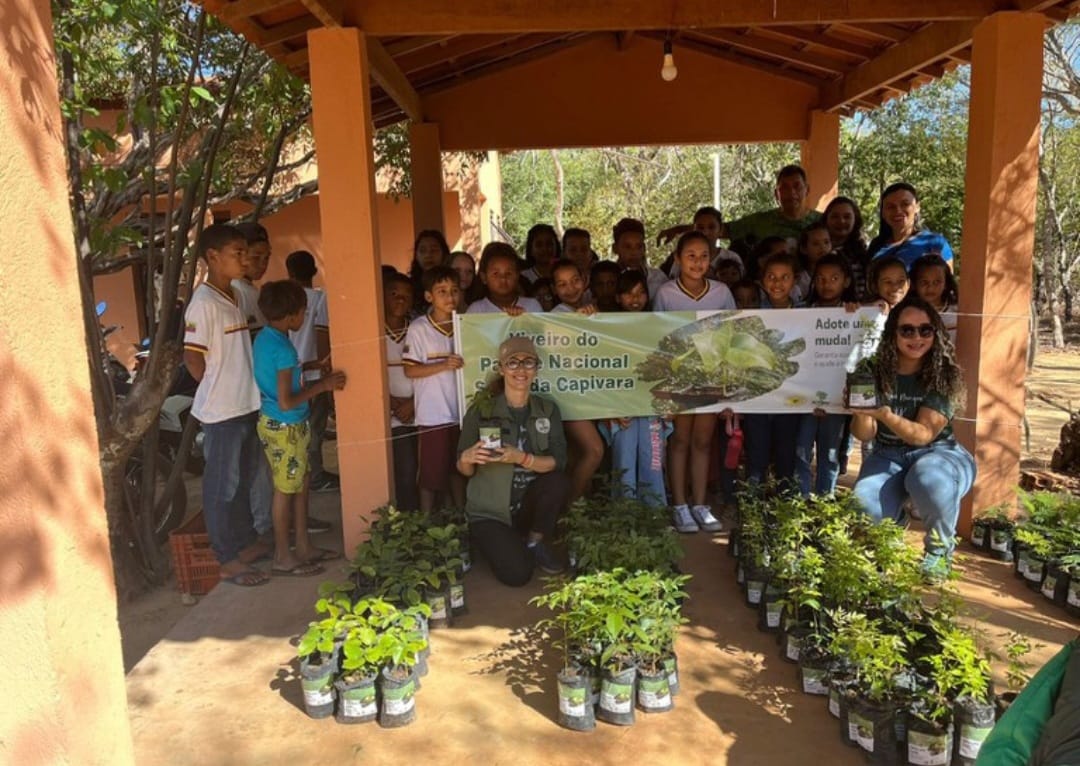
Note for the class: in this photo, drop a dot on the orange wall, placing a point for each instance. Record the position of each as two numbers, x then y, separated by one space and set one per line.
297 227
593 95
64 696
118 290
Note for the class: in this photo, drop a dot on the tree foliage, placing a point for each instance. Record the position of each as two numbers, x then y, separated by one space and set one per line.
161 103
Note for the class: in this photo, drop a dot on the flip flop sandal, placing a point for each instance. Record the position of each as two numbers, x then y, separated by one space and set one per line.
305 569
242 579
324 554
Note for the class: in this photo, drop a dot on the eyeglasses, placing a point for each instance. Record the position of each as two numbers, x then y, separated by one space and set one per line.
910 330
521 364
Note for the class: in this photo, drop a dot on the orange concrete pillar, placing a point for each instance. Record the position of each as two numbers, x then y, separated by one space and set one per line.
64 695
820 157
343 129
998 239
425 155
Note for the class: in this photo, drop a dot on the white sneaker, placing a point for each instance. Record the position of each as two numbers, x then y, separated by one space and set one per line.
683 521
703 516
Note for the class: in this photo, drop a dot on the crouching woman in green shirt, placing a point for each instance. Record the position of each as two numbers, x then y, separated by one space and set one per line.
915 455
513 451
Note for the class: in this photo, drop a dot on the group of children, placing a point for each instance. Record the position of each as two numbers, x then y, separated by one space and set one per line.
825 268
258 402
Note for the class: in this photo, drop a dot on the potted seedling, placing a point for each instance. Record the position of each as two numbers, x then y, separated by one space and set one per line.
880 661
861 389
956 670
319 651
575 616
400 641
1033 549
618 663
364 654
802 602
1017 648
1001 528
657 624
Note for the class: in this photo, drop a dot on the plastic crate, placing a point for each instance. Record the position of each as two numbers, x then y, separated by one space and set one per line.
197 569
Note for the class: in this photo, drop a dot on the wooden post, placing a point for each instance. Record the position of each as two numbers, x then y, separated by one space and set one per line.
427 181
998 240
343 128
820 154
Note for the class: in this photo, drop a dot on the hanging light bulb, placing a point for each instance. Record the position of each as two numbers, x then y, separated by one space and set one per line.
668 71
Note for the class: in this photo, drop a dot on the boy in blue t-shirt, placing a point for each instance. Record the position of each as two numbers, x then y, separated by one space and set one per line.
284 428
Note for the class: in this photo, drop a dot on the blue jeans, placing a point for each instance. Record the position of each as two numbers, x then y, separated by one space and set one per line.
770 438
934 477
637 456
233 459
261 498
825 435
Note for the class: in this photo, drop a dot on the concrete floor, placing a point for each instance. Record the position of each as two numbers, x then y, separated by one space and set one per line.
222 687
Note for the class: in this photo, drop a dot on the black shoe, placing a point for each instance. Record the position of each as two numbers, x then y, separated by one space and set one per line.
546 559
325 482
316 526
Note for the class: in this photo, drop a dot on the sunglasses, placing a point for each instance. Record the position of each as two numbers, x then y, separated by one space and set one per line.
910 330
521 364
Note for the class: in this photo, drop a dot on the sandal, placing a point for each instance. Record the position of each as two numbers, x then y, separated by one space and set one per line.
323 554
247 579
303 569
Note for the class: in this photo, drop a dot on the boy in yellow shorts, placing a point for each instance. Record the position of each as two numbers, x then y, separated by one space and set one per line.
283 424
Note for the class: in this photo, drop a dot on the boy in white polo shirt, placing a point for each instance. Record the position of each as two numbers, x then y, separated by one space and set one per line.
430 362
217 353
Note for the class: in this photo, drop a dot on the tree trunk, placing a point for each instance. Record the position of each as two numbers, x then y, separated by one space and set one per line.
560 184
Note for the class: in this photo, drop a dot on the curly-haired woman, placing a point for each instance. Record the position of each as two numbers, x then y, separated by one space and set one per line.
919 385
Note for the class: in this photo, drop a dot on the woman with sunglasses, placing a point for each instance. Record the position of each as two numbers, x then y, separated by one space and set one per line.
513 451
919 386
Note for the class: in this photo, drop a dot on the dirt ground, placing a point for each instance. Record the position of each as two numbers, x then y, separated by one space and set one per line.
1053 388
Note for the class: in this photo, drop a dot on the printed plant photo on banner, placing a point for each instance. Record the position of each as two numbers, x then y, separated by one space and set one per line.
627 365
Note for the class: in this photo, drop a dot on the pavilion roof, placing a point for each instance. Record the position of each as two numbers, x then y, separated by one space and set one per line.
858 53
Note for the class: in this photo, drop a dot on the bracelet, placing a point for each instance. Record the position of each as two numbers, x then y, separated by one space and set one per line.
527 461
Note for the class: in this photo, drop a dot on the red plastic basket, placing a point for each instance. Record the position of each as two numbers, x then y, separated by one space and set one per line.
197 569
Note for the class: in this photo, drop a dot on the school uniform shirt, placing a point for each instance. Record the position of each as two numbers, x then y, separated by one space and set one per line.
273 353
435 396
564 308
247 298
485 306
215 327
400 386
673 296
305 339
655 279
948 318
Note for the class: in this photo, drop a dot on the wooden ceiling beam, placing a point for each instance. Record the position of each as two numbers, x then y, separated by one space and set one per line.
824 40
933 42
888 32
331 13
526 51
386 72
290 30
433 17
294 59
243 9
771 48
459 48
407 45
